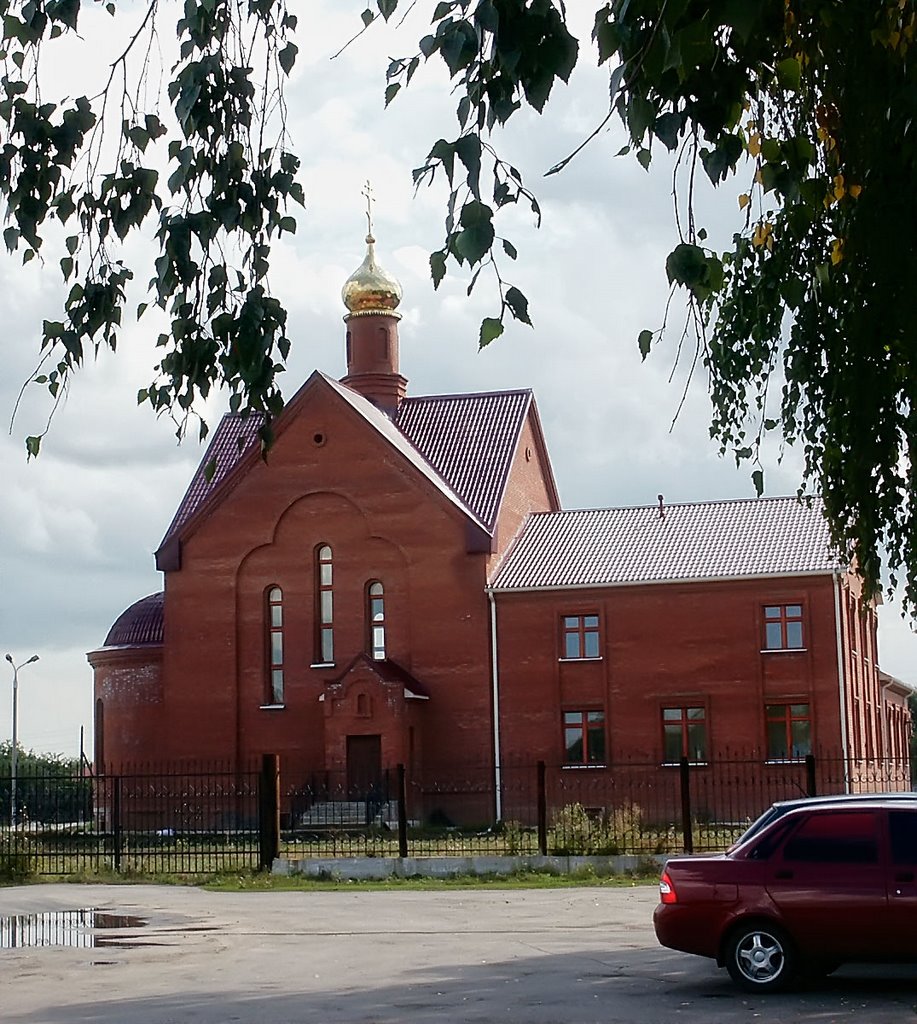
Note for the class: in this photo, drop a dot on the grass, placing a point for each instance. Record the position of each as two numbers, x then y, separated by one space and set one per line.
256 882
253 881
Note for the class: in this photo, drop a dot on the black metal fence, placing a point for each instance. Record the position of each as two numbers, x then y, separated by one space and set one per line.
203 819
143 820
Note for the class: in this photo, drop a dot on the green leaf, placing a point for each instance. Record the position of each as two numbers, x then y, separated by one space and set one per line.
686 264
477 236
518 304
367 17
391 91
32 446
509 249
491 329
468 150
645 342
287 57
437 267
757 478
789 74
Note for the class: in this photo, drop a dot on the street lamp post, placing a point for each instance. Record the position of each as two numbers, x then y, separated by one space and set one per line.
15 755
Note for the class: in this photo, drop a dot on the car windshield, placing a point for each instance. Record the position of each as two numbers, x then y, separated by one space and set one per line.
755 827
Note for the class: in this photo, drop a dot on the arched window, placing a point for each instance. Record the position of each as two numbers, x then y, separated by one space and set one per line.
375 619
275 644
324 606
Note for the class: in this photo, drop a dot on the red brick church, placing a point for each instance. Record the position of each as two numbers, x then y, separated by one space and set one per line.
398 583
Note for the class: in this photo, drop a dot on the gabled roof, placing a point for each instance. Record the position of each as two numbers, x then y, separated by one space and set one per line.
470 441
649 544
401 443
387 671
463 444
232 439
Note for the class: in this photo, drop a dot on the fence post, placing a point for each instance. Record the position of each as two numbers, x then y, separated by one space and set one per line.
117 835
542 811
811 786
686 829
268 812
402 813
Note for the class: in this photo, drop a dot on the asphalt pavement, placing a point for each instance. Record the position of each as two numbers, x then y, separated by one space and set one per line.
171 955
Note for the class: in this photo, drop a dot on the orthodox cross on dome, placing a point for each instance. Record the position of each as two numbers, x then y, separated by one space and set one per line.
368 192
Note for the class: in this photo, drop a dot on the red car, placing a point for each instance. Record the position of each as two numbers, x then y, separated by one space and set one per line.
818 886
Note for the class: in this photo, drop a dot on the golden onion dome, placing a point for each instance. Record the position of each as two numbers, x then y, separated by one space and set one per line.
370 289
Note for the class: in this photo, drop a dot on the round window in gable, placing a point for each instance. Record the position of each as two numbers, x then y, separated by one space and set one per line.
318 439
528 454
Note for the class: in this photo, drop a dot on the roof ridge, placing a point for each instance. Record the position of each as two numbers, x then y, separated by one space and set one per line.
456 395
654 506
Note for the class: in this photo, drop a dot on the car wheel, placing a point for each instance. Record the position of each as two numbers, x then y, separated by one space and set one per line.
760 958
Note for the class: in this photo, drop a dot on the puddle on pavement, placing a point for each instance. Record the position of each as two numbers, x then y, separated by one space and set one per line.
73 928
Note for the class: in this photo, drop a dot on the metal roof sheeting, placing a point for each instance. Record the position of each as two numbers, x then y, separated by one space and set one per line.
139 624
703 540
231 439
470 441
463 443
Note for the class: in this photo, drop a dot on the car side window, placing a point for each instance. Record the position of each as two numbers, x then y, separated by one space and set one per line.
765 846
849 837
903 828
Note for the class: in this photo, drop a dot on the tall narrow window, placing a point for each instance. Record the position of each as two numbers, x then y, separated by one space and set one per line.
99 732
324 611
275 643
375 615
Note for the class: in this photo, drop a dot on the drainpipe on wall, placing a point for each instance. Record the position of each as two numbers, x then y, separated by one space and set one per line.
841 683
495 703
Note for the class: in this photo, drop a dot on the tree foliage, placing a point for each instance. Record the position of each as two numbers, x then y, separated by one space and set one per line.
804 107
91 165
806 325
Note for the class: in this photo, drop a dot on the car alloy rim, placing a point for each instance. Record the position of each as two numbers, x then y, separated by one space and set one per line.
760 957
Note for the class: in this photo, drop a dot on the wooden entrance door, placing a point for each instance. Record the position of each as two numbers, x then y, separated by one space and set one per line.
364 767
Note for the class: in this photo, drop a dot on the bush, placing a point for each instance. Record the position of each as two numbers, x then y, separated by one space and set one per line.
17 858
577 833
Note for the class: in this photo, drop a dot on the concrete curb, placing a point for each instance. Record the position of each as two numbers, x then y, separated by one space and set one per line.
377 868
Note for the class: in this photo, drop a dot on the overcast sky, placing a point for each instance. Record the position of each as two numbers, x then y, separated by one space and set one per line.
79 525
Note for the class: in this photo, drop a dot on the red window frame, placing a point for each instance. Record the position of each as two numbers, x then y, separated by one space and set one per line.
274 637
580 637
783 627
586 728
787 715
375 620
682 722
324 605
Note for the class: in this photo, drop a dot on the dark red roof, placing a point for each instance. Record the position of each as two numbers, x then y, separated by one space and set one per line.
467 440
232 438
470 441
648 544
139 624
389 672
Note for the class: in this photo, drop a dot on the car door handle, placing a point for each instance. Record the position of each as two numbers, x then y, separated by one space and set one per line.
785 873
905 876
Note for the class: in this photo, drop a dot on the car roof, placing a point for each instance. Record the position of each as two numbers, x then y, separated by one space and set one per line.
842 798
